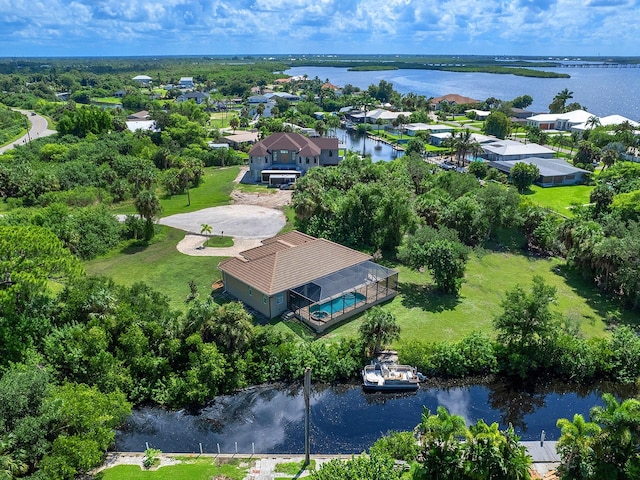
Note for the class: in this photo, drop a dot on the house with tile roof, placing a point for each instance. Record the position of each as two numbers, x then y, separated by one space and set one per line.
320 281
452 99
285 156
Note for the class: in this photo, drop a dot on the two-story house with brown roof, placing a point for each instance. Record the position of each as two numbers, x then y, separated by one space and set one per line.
283 157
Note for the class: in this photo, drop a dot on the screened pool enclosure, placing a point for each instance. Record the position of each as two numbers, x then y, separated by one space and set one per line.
330 299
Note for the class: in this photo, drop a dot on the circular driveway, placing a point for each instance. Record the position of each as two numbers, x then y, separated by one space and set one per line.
242 221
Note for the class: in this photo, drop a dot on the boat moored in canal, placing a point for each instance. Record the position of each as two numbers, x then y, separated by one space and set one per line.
380 377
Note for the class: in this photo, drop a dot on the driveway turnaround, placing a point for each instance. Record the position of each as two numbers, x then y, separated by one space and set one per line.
241 221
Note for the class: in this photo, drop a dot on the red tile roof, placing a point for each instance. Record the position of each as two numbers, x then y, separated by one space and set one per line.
454 98
304 146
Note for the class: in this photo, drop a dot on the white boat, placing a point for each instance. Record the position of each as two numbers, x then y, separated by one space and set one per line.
390 377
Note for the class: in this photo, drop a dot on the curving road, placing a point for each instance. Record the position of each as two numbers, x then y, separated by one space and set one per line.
39 128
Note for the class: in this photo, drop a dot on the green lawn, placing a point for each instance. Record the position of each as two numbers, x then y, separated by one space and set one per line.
218 241
560 199
215 190
428 316
160 265
191 469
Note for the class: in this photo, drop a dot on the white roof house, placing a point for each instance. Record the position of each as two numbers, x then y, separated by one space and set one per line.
380 113
480 114
145 125
505 150
606 122
413 128
553 171
559 121
142 78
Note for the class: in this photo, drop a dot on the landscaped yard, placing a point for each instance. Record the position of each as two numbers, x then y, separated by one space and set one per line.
161 266
191 469
430 317
214 191
560 199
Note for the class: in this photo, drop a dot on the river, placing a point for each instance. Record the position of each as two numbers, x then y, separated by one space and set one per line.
346 420
604 91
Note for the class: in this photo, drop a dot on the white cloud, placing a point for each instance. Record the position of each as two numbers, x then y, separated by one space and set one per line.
386 26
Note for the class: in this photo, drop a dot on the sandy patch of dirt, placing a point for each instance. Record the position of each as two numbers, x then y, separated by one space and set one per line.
272 198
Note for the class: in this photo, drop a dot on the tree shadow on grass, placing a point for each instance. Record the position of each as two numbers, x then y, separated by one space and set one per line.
607 307
426 297
134 247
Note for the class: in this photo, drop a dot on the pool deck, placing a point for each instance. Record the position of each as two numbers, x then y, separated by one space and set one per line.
373 297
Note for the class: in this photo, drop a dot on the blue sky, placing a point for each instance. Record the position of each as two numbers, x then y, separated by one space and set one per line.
200 27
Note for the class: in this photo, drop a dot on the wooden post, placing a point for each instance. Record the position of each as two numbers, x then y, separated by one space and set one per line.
307 424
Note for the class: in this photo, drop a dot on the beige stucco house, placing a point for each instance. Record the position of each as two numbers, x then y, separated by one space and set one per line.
283 157
320 281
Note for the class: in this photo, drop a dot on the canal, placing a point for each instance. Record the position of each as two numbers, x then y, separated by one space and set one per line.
346 420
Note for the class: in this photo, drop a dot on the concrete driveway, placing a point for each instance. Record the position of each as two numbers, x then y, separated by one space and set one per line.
240 221
39 128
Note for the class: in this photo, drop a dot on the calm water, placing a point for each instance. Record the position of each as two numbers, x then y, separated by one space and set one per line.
365 146
344 419
604 91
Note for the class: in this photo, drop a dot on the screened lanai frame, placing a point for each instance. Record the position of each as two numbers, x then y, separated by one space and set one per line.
360 286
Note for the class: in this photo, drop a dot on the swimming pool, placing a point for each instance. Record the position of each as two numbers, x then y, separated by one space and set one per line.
338 304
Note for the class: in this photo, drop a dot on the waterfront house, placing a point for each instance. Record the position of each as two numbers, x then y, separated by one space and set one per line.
285 156
507 150
607 121
320 281
553 171
452 99
412 129
559 121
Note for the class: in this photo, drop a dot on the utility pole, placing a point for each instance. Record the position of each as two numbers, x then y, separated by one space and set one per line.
307 424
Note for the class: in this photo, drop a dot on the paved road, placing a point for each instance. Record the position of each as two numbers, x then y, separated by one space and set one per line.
39 128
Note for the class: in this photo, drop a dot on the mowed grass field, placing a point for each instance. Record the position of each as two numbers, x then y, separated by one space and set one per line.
191 469
160 265
214 190
421 313
428 316
560 199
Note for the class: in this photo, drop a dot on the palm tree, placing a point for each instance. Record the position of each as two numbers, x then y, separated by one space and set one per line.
320 127
378 329
620 423
205 229
576 447
234 123
592 122
608 158
11 466
148 207
229 326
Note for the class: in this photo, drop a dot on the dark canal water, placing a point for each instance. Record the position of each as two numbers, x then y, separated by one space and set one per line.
346 420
